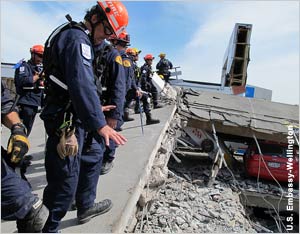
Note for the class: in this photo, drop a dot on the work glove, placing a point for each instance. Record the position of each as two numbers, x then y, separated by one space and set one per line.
18 144
68 145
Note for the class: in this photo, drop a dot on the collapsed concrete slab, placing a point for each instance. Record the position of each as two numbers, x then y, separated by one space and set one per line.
239 116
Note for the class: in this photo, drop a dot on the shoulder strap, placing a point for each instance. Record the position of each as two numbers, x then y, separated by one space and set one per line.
48 58
101 68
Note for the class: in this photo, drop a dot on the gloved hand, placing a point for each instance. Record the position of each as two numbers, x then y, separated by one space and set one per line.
18 144
68 145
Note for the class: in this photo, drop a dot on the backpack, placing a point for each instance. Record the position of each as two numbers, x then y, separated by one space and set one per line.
101 68
54 85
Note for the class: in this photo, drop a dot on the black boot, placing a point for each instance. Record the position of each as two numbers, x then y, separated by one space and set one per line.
106 167
35 220
157 106
149 119
126 117
97 209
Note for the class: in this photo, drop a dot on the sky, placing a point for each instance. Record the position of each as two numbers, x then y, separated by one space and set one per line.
193 34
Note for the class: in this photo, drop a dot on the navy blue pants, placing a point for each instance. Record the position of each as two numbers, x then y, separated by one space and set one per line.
62 177
132 95
71 176
90 166
27 114
16 196
110 151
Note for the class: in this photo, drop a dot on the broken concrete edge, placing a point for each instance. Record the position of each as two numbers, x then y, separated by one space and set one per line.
268 201
120 225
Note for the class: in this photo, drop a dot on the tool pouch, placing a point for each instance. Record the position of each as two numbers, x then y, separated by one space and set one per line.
68 145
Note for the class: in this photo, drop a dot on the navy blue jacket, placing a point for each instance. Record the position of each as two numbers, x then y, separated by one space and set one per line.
75 63
31 96
6 100
146 77
164 65
116 82
129 72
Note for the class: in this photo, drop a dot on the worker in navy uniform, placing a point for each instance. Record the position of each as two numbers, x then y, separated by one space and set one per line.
163 67
134 56
29 86
110 71
73 110
17 201
137 69
132 90
146 80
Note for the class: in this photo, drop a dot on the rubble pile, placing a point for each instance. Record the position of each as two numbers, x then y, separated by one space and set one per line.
252 185
185 204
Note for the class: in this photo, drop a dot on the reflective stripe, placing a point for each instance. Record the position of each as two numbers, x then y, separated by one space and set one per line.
118 32
114 20
58 82
104 3
55 33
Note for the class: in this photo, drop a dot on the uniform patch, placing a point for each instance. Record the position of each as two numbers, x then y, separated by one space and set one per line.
22 69
144 71
119 60
86 51
126 63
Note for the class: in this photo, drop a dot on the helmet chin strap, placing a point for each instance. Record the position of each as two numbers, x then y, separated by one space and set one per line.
93 26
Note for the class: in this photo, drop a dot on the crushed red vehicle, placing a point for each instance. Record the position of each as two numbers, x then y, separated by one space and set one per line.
273 161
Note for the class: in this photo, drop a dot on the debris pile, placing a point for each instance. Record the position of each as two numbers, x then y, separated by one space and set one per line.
185 204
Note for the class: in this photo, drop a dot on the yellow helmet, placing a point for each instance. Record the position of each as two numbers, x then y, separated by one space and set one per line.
136 50
162 55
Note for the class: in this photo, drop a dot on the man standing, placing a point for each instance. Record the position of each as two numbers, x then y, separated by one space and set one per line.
73 110
17 201
146 80
29 86
111 75
163 67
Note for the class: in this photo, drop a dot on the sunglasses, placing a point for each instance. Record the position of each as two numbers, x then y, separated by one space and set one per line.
107 30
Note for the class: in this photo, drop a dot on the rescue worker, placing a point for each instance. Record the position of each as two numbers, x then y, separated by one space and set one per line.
113 85
29 86
17 201
121 43
146 80
163 67
132 90
73 110
134 56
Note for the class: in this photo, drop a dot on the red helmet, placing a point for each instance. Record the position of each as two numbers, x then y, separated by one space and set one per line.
116 14
123 37
149 57
37 49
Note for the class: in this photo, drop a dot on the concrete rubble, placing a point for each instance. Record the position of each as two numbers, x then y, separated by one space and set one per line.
179 198
186 204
